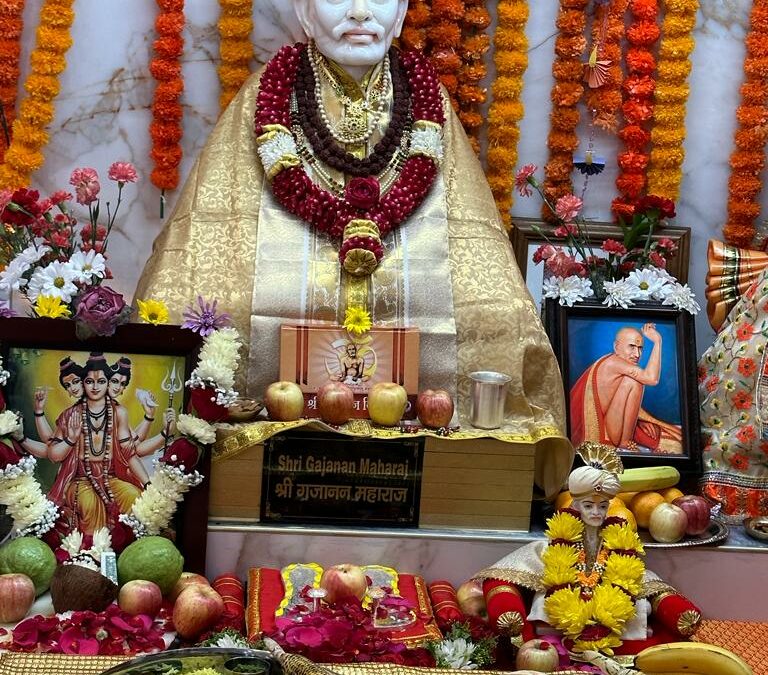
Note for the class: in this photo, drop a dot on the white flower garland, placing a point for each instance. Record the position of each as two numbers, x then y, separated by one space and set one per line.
219 358
4 374
32 512
197 429
10 424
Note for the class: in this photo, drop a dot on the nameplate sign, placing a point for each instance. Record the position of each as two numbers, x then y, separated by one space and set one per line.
330 479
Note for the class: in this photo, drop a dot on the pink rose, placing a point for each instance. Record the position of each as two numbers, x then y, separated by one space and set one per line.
363 193
568 207
101 309
86 184
122 172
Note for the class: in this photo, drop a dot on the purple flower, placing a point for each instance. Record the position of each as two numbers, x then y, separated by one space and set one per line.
205 320
5 310
101 309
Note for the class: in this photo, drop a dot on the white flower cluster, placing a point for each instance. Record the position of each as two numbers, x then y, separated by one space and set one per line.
11 424
275 148
427 140
456 654
153 510
32 512
197 429
89 557
12 277
219 358
4 374
649 283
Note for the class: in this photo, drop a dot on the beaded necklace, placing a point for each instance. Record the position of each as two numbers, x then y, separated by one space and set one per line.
104 491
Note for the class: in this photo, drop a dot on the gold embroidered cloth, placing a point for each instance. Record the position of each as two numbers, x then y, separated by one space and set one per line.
449 270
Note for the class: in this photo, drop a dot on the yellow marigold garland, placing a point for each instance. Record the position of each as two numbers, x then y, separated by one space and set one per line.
165 128
235 48
506 111
11 25
36 111
665 169
576 603
567 91
748 158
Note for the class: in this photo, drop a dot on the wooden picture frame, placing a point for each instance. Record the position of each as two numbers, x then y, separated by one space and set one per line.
591 350
161 361
523 235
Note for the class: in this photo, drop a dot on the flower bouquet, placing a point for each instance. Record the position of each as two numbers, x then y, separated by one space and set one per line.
618 273
57 264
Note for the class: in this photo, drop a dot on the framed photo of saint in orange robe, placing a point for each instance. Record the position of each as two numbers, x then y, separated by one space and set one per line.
630 377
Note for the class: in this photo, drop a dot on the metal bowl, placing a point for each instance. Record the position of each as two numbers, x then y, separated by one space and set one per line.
177 661
757 527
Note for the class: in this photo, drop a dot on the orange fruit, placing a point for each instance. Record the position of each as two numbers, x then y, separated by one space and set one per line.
620 509
563 500
626 497
670 494
643 504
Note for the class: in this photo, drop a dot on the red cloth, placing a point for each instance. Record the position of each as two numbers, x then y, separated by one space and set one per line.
230 588
669 611
445 604
502 597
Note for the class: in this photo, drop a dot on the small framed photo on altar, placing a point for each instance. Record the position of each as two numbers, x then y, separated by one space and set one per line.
96 414
630 380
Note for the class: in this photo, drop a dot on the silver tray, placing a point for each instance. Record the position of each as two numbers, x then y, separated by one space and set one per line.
182 661
715 533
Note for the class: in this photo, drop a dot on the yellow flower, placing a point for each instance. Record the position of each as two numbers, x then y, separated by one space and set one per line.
51 307
564 526
622 538
559 565
567 611
357 320
625 571
612 607
153 311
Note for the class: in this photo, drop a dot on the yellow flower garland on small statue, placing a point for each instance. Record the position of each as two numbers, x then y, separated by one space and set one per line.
235 48
603 598
673 67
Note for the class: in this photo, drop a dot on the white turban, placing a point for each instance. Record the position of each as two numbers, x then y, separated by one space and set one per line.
587 480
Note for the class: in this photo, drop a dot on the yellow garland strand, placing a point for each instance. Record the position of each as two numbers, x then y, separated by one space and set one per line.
236 49
11 27
673 67
24 156
511 59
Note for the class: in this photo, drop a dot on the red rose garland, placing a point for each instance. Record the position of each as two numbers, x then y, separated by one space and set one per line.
363 210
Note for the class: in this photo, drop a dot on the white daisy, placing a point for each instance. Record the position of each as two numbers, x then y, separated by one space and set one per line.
88 265
620 293
33 254
647 284
11 278
56 280
682 297
574 289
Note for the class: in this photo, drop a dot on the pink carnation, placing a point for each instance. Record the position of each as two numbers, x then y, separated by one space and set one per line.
122 172
86 184
60 196
544 252
566 230
613 246
524 179
5 199
657 260
667 244
563 265
568 207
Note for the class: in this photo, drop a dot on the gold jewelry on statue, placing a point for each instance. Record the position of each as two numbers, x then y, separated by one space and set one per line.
688 623
499 589
510 623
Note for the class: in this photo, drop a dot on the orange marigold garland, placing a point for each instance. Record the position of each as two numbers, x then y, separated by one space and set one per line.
11 25
748 158
567 91
165 128
24 156
639 87
674 65
418 17
506 111
475 20
235 48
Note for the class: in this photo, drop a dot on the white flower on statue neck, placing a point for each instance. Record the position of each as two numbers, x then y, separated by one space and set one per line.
56 280
620 293
681 296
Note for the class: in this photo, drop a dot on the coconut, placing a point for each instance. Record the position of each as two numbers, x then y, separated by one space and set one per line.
78 588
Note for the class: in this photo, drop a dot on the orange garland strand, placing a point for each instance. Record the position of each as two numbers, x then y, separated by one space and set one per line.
165 128
11 25
748 158
639 88
568 70
476 43
235 48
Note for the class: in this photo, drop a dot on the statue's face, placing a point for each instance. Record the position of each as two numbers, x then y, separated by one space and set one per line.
593 509
352 32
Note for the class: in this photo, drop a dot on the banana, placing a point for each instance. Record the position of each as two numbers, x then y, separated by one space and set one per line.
649 478
690 657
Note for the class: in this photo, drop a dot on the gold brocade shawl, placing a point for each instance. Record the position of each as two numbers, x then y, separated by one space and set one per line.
449 270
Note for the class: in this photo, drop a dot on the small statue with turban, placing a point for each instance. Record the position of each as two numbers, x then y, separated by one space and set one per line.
585 586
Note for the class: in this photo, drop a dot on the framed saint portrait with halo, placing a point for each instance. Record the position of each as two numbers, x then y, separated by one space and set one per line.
96 414
630 380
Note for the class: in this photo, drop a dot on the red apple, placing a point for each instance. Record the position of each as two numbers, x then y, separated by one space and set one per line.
284 401
434 408
335 403
197 609
17 593
185 580
539 656
344 581
668 523
140 597
471 598
698 511
386 403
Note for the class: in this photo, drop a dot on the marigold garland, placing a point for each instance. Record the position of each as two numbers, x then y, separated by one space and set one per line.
639 86
592 609
748 158
165 128
235 48
506 111
674 65
11 25
567 91
36 111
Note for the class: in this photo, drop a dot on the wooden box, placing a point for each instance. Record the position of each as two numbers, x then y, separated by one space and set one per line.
474 484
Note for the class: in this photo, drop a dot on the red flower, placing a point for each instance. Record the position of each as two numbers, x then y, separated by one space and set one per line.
741 400
747 367
9 456
746 434
664 206
702 373
524 179
568 207
667 244
363 193
712 383
544 252
657 259
613 246
566 230
182 453
744 332
202 401
739 462
24 209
